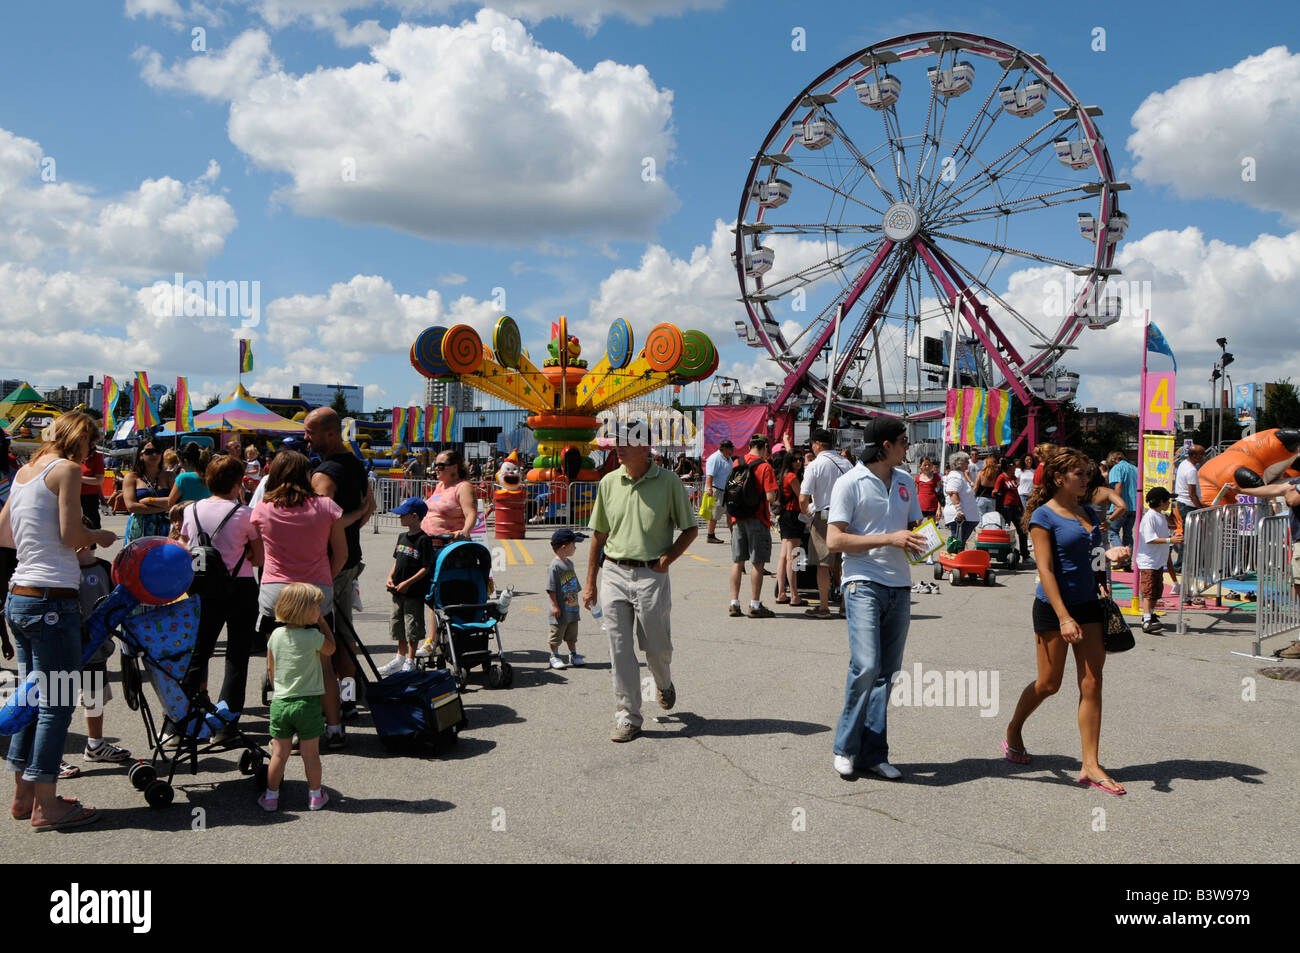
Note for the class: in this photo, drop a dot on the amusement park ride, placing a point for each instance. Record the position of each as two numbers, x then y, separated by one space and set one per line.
920 165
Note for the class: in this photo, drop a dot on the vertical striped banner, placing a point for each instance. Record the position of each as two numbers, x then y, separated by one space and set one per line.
184 407
110 395
446 415
399 425
245 356
430 432
409 433
142 408
976 417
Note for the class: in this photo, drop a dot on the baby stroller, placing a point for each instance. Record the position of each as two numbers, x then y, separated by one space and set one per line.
467 615
993 537
158 645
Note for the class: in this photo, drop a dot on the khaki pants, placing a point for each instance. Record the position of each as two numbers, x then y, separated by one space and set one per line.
636 602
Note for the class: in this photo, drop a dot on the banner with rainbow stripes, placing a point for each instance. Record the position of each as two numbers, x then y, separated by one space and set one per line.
442 430
111 393
146 414
184 407
245 356
399 425
978 418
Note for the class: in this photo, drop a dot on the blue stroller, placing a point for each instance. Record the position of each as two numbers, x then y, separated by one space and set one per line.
467 615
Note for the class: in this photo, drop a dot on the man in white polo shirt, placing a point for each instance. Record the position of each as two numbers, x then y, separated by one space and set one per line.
872 509
819 479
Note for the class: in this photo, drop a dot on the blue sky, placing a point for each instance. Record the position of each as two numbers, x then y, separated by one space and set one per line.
468 187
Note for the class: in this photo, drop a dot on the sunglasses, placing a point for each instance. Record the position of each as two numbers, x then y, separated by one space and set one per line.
443 466
149 450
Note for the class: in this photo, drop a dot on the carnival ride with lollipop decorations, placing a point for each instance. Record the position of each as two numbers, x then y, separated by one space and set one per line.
564 394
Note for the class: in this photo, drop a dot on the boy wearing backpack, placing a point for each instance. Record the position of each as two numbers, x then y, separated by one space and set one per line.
750 492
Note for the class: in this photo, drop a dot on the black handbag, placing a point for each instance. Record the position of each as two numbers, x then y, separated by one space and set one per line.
1116 634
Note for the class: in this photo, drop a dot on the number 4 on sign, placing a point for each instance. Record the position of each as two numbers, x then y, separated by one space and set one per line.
1158 402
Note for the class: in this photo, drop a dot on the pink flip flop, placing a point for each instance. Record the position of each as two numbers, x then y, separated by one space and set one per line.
1102 787
1015 755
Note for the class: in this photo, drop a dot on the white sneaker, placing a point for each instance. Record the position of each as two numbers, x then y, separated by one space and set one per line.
843 766
557 662
408 665
577 660
921 587
886 771
425 649
394 666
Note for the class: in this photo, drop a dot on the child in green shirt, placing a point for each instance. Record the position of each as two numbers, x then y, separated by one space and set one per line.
293 662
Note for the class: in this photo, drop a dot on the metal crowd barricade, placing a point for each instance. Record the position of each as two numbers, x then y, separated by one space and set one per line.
1278 608
1219 543
390 492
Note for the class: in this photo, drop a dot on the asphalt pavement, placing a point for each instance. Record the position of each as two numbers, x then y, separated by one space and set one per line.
740 770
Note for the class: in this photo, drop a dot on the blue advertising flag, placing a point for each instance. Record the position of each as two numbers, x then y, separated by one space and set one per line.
1156 342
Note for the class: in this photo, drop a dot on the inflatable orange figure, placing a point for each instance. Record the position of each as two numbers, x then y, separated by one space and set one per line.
1251 462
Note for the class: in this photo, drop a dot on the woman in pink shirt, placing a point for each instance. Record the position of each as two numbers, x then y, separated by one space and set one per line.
453 510
303 541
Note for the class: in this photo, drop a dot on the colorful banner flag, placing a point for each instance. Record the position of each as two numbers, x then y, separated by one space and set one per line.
399 425
430 431
245 356
142 407
978 418
446 415
184 408
110 396
415 424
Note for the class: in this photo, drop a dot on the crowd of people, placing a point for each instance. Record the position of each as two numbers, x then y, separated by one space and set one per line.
287 532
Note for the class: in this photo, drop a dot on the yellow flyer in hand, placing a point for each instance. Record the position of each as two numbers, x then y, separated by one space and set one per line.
932 541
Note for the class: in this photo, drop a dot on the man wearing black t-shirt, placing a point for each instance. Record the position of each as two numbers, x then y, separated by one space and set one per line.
341 477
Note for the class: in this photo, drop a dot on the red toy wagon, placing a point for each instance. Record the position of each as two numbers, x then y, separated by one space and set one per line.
968 564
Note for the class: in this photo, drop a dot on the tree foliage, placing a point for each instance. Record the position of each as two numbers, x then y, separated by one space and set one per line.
1281 406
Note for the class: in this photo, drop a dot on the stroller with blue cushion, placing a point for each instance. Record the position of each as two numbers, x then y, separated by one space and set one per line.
467 615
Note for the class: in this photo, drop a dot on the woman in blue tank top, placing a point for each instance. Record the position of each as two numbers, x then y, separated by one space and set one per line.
1070 550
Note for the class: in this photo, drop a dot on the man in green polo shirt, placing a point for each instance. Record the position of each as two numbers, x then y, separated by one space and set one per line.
638 507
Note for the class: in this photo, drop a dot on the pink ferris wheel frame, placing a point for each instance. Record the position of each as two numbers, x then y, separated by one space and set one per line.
961 288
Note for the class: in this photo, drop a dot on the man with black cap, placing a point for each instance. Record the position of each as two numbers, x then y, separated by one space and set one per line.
638 507
716 470
819 479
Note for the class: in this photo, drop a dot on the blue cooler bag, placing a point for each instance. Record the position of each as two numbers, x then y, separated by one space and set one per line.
415 709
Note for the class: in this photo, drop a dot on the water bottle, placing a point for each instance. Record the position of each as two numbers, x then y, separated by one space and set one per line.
598 616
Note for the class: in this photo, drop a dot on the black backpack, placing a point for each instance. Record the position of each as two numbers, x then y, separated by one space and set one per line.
211 577
742 496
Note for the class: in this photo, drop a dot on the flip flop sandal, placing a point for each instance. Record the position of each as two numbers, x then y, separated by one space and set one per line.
22 817
1102 787
1015 755
77 816
783 602
797 605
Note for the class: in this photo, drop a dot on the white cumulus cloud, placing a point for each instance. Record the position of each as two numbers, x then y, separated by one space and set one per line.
1196 135
458 133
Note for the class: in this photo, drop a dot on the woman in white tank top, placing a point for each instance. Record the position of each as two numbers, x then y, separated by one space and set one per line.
42 521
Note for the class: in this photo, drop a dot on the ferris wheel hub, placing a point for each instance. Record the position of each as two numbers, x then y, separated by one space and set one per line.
902 222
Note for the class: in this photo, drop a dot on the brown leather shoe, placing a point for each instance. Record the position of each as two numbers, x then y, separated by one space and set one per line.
1291 651
734 612
762 612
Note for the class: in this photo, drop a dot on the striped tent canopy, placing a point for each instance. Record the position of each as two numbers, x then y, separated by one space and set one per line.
242 412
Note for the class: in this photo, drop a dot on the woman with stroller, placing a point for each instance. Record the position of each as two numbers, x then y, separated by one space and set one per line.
1067 611
42 521
303 541
453 510
145 491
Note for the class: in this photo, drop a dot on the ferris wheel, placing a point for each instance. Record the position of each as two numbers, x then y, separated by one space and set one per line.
893 190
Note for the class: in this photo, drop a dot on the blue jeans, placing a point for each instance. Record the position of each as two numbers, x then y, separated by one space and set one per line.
878 619
961 529
54 648
1122 529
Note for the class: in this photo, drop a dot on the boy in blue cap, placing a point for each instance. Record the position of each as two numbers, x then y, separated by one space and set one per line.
563 587
411 561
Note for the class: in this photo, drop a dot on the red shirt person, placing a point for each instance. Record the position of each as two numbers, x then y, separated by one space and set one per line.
751 533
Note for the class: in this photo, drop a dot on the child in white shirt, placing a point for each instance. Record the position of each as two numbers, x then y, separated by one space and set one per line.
1153 555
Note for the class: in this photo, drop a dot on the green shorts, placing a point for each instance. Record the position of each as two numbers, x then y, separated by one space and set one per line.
297 716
